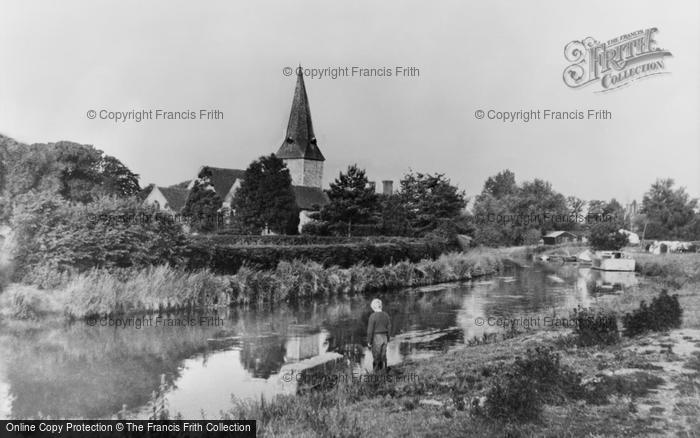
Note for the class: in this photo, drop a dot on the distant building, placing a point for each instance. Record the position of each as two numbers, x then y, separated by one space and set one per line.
225 182
168 199
556 237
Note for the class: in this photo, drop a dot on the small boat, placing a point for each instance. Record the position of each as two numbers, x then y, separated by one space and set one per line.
612 261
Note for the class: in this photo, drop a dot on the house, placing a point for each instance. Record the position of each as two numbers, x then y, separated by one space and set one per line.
556 237
225 182
168 199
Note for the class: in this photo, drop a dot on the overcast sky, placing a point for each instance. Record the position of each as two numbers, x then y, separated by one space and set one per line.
61 59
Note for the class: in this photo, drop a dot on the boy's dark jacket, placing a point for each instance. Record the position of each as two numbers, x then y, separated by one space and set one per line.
379 322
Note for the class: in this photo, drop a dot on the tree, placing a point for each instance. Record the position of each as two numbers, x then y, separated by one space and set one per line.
605 235
669 212
428 198
203 203
352 199
74 171
266 199
394 218
117 179
508 214
575 205
501 185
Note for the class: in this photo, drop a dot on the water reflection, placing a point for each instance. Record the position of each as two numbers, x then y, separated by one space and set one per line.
78 371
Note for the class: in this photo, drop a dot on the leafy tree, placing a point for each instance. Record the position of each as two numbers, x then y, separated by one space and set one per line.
669 212
266 199
429 198
394 217
605 235
117 179
501 185
576 205
74 171
508 214
352 199
203 203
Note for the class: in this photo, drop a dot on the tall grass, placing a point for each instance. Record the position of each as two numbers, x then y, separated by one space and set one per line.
676 270
299 280
159 288
163 288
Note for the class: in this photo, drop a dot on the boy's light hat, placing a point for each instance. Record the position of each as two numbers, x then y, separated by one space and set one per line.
376 304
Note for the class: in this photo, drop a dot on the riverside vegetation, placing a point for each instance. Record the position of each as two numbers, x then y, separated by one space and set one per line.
163 288
595 379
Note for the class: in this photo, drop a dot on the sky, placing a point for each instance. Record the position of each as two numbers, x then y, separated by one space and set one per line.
62 59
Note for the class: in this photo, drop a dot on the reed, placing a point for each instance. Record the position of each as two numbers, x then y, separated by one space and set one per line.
154 289
301 280
100 292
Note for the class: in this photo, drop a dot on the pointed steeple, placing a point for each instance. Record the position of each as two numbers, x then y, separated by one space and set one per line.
300 141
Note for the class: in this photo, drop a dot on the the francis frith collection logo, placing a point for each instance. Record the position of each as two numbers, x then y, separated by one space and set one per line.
615 63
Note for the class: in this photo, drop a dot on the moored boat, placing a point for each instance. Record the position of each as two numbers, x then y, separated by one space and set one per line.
612 261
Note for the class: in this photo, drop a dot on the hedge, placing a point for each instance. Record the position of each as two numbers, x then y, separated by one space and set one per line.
228 259
289 240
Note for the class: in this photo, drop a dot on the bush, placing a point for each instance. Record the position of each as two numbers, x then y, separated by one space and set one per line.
663 313
519 391
595 326
224 238
316 228
53 237
228 259
606 236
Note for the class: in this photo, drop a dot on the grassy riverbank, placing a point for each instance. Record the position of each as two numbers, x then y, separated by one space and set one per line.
645 385
162 288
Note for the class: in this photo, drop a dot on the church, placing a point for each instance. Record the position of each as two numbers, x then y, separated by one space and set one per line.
299 151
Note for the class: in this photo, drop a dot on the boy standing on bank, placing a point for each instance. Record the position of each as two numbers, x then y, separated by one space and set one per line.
378 331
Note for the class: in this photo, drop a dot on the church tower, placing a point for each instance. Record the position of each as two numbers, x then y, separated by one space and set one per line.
299 150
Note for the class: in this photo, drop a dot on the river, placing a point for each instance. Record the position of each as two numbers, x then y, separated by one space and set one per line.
195 363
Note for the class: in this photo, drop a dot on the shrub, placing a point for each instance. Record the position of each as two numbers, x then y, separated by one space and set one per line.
595 326
316 228
606 236
228 259
518 391
663 313
56 236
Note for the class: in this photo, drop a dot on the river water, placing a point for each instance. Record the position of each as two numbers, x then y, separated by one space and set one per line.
196 363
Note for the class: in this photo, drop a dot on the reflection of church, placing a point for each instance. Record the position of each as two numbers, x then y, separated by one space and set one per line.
300 347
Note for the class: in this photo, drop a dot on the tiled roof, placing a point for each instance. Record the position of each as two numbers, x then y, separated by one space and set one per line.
222 179
176 196
309 197
300 141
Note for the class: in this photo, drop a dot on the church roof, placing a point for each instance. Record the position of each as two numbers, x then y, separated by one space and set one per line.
300 140
309 197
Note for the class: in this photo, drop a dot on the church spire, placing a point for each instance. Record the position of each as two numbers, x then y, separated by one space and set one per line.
300 140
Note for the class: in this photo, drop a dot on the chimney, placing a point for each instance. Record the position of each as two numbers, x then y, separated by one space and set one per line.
388 187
